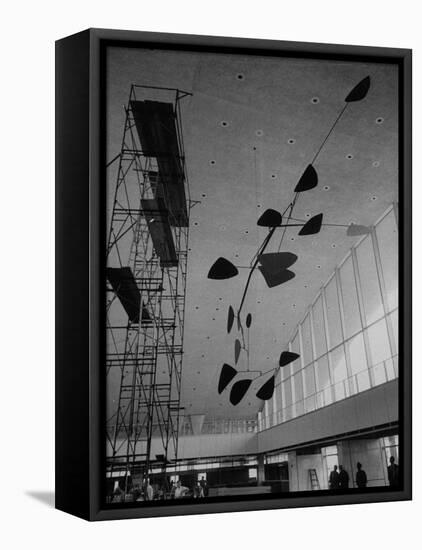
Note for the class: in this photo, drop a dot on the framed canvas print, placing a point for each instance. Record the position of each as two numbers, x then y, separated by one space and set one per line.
233 274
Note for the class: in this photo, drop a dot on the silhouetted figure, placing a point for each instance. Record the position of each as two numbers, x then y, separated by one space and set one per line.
204 485
393 474
333 481
361 479
343 478
198 491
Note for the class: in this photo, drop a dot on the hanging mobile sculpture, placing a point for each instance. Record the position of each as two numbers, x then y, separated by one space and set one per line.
274 266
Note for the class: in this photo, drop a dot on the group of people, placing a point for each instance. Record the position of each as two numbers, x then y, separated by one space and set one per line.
339 478
147 491
199 490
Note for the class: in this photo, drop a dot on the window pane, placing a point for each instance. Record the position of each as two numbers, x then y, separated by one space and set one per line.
307 341
380 351
269 412
378 342
358 363
350 298
333 314
319 329
369 281
279 401
274 400
323 375
395 322
298 389
379 374
287 387
309 389
357 354
387 237
309 373
324 396
338 372
285 372
296 365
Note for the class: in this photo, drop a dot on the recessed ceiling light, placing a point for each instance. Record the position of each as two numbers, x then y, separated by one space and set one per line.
307 215
292 238
379 120
212 162
259 133
315 100
349 156
224 123
291 141
326 187
195 223
273 176
240 76
333 245
258 206
374 198
375 164
318 267
204 195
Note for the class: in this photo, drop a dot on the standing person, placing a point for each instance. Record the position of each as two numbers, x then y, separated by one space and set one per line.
198 491
361 479
343 478
149 491
333 481
204 485
393 473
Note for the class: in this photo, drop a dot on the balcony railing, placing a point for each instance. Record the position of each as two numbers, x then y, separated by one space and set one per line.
368 378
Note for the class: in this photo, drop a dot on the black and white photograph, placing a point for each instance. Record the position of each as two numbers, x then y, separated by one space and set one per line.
251 278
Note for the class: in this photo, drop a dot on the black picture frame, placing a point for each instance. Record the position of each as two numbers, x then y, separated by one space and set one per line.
80 162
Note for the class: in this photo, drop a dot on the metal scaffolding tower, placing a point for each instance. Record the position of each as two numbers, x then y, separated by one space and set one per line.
148 228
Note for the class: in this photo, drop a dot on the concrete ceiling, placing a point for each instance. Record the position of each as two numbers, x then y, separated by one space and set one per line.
250 128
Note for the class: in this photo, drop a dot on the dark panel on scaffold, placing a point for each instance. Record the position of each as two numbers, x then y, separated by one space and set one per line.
155 123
